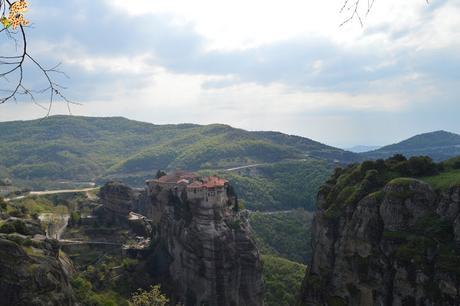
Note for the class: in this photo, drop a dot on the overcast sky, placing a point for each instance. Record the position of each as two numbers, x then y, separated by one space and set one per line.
282 65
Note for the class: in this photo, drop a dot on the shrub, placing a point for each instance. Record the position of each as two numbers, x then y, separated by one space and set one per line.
456 164
397 158
7 228
129 264
2 204
17 226
154 297
75 218
421 166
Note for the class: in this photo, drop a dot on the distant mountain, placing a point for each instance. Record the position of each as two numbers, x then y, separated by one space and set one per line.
439 145
69 148
362 149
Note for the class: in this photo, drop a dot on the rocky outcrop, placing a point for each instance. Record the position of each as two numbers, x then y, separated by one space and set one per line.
396 246
32 273
203 251
118 198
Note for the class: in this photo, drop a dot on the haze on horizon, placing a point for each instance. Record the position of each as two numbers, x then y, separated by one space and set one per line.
258 65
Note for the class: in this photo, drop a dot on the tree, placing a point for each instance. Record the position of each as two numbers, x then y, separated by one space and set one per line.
12 65
2 204
159 174
154 297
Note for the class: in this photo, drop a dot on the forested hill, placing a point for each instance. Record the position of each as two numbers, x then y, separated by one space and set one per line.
86 149
439 145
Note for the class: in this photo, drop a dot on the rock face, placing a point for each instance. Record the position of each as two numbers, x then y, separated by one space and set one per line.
32 275
119 199
203 254
397 246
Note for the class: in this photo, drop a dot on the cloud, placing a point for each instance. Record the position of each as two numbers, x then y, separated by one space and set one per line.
255 64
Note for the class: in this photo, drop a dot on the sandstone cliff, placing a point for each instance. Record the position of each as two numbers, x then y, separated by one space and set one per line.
381 241
203 252
33 273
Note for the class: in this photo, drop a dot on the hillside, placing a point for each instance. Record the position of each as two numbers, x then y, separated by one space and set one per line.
284 234
439 145
362 148
42 153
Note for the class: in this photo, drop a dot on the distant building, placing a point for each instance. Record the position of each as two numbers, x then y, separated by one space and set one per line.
209 190
6 187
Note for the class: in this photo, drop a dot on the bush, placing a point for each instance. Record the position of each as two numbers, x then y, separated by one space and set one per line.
7 228
3 205
129 264
456 164
397 158
154 297
75 218
421 166
17 226
17 214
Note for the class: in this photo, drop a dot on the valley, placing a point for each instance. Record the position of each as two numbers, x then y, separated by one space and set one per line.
122 233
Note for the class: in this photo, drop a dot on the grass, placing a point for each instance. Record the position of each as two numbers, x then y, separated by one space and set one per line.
31 251
444 180
404 181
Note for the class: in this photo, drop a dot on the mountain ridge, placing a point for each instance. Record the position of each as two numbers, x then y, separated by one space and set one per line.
129 138
439 145
42 153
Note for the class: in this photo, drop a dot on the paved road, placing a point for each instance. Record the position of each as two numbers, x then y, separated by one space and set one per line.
61 191
244 167
47 192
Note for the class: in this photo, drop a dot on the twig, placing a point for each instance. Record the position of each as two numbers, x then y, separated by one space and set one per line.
15 66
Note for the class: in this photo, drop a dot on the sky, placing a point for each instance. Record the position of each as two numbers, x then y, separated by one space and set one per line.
284 65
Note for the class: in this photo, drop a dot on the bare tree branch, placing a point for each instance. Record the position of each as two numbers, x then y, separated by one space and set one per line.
13 66
354 10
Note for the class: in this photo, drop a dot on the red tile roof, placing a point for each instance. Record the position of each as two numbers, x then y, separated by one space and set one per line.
208 182
205 182
176 177
196 184
213 181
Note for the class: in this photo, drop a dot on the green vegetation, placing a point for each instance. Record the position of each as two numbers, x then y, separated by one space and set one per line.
279 186
43 153
438 145
283 279
427 244
448 177
16 226
3 205
63 147
430 235
444 180
348 186
111 280
283 234
86 295
57 203
154 297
